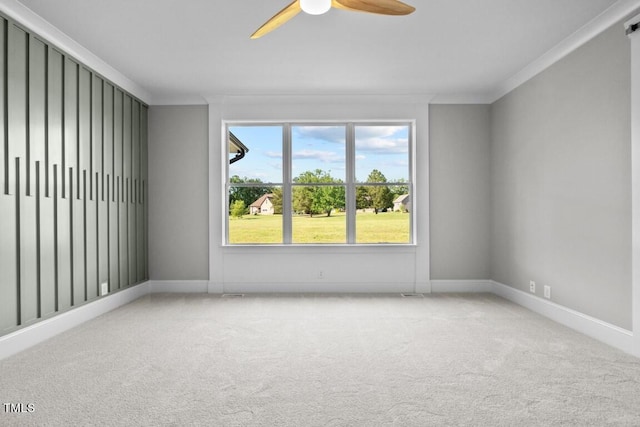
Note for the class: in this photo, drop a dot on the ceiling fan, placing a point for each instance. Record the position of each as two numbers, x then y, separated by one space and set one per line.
318 7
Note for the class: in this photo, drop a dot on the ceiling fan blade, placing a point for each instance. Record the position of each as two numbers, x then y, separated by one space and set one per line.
278 19
383 7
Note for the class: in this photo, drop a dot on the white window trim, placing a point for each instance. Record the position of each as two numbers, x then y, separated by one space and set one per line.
635 188
350 181
232 269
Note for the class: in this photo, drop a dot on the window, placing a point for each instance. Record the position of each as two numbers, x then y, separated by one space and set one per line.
320 183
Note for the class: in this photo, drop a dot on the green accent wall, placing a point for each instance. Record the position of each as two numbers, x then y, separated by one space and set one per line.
73 182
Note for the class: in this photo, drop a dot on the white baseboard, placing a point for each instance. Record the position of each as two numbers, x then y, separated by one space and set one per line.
215 288
178 286
29 336
423 288
468 286
319 287
612 335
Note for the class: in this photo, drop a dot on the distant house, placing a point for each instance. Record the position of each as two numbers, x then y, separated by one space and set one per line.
402 202
262 206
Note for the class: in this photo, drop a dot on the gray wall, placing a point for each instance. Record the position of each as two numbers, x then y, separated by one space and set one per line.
561 181
460 192
179 194
73 182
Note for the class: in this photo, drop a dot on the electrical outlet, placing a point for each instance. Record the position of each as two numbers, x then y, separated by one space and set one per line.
547 291
320 274
104 288
532 286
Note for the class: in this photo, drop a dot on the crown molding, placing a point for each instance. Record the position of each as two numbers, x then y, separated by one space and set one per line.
319 99
459 98
178 100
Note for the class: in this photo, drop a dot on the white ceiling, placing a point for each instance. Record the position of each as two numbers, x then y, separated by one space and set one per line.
197 48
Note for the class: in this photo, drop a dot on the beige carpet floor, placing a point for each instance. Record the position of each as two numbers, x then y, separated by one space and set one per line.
310 360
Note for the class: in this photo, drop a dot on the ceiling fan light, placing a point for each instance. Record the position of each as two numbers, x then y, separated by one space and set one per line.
315 7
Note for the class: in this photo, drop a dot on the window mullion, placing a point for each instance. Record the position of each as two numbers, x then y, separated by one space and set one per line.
351 188
287 205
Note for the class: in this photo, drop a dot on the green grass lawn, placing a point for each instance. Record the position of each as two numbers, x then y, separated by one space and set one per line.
389 227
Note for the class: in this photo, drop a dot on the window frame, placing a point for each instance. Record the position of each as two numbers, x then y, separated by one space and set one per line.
350 182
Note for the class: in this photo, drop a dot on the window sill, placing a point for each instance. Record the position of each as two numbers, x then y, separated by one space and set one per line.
321 248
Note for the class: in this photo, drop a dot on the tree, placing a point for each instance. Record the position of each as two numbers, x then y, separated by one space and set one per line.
303 200
276 200
326 199
247 194
381 196
313 199
363 200
238 209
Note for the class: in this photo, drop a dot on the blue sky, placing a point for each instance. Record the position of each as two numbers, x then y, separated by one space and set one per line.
322 147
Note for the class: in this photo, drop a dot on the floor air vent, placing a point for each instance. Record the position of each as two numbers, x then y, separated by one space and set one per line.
412 295
232 295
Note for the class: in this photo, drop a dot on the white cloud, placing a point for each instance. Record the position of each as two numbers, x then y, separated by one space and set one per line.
372 139
322 156
382 139
366 132
382 145
323 133
337 133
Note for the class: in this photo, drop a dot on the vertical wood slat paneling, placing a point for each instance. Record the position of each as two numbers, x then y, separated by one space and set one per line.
118 134
8 262
79 241
125 226
8 294
63 241
8 297
54 107
97 119
36 88
84 126
141 211
144 154
28 251
123 262
73 176
118 172
107 129
47 245
126 139
102 236
4 147
63 225
123 238
110 238
113 275
17 99
70 125
135 176
18 239
91 233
